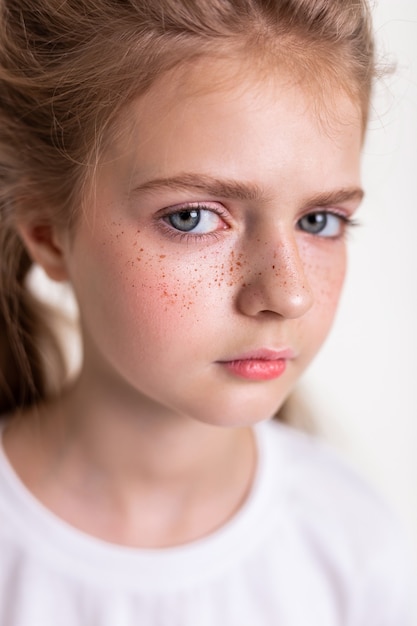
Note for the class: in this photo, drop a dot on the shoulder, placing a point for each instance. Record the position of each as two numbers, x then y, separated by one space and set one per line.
344 522
323 486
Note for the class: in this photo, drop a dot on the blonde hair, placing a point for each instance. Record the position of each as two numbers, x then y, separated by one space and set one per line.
68 68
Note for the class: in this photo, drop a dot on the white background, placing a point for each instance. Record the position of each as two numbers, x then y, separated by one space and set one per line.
364 383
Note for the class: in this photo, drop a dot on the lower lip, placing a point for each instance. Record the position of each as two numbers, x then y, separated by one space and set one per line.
257 369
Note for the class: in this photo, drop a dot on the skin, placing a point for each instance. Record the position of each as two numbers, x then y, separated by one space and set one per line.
136 441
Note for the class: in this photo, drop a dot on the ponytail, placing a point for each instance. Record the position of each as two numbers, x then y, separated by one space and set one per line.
28 347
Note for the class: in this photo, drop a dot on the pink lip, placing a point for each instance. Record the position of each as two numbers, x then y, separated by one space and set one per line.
260 364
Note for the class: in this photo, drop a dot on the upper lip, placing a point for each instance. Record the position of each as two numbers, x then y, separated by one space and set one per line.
263 354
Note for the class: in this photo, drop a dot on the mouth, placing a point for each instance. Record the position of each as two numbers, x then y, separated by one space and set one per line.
259 365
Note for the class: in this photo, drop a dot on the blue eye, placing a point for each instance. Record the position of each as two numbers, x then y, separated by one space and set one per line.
323 223
195 221
185 220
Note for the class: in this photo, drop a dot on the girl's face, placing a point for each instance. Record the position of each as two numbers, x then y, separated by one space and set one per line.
209 264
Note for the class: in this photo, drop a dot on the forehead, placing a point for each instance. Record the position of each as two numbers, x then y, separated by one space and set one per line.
226 79
224 113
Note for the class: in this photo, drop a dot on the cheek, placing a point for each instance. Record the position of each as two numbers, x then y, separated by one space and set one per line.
186 282
325 269
327 284
161 291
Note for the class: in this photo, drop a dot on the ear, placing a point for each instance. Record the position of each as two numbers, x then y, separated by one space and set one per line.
44 247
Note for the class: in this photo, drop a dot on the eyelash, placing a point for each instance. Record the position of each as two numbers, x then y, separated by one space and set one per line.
347 223
181 236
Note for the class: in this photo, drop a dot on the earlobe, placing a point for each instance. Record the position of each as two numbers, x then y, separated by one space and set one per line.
42 244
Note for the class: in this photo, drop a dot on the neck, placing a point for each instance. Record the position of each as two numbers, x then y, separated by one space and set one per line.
129 457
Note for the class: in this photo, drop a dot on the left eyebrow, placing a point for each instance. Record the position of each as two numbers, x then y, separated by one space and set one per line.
339 196
232 189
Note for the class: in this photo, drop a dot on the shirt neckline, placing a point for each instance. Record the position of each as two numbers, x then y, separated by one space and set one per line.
51 539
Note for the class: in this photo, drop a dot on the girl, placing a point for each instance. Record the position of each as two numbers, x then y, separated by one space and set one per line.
191 168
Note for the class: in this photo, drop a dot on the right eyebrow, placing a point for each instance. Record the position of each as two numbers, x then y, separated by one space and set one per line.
216 187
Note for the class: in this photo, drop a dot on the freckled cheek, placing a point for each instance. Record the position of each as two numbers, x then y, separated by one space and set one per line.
325 274
162 285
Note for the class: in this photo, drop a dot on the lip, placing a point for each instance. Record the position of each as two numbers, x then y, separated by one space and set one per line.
261 364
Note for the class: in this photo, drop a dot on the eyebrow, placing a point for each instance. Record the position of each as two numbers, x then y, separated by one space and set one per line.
223 188
232 189
339 196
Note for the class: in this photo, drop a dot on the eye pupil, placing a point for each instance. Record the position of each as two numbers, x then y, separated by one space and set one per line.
185 220
314 222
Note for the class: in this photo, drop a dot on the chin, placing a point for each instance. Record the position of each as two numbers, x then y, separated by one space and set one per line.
241 416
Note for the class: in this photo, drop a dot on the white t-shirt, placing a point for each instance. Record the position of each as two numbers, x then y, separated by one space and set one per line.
312 546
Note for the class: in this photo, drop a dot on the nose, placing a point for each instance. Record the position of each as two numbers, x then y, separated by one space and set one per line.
275 281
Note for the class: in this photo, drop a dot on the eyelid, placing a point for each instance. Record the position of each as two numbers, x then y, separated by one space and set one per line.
198 205
333 210
218 210
345 216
